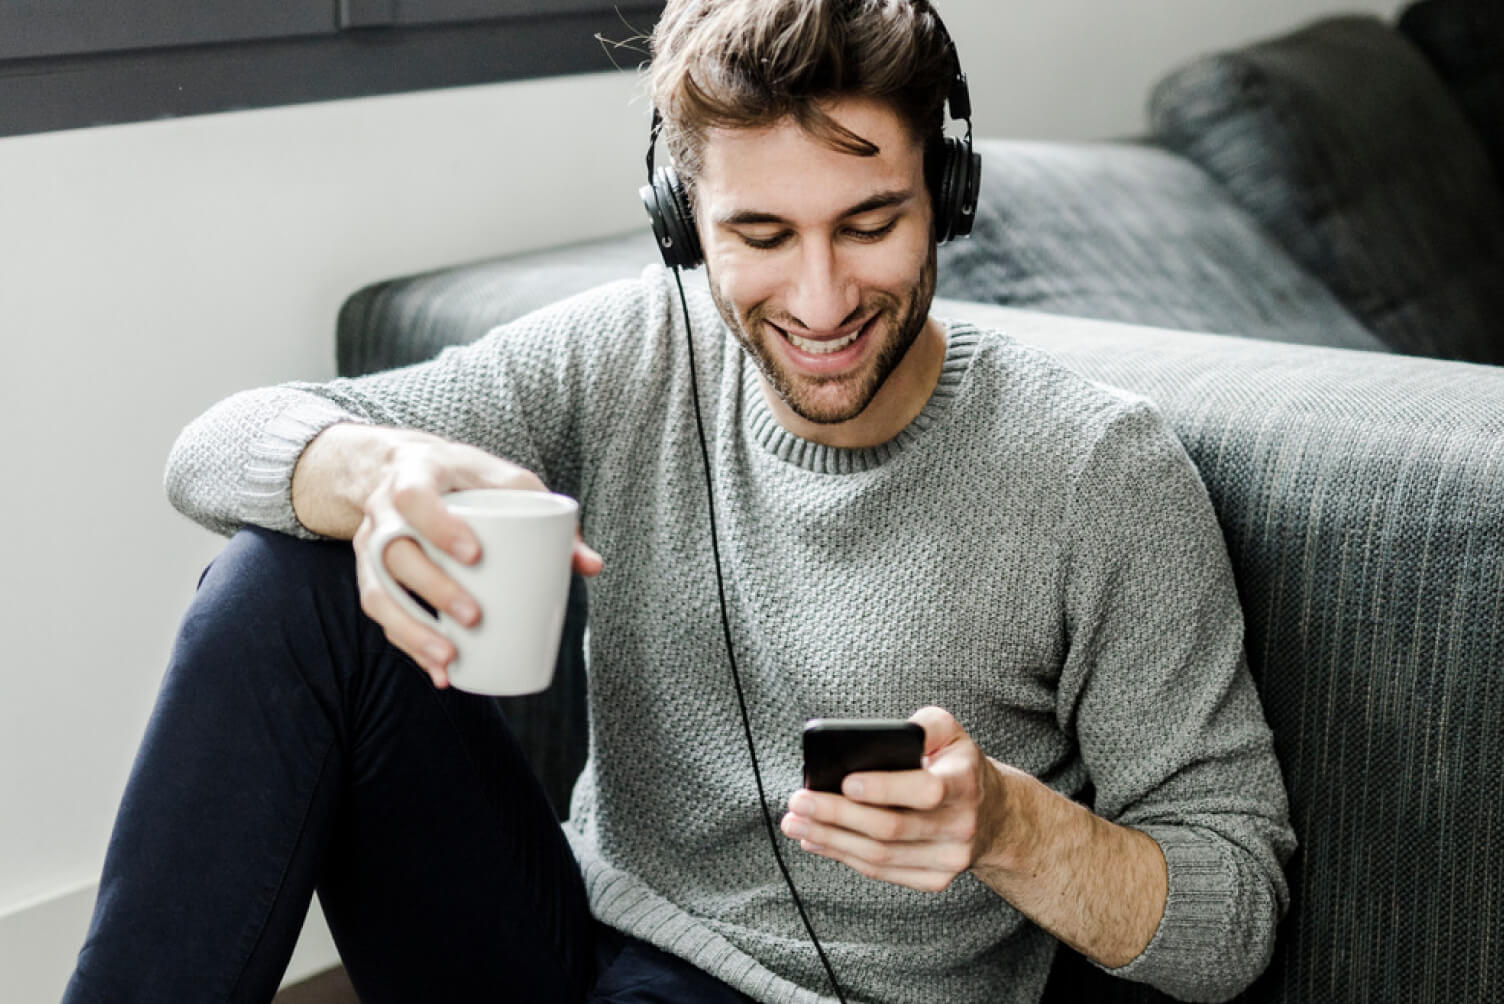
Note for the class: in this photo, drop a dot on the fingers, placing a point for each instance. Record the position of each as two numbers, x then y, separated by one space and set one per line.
415 570
881 822
421 503
585 559
422 507
421 473
907 789
920 850
425 646
487 471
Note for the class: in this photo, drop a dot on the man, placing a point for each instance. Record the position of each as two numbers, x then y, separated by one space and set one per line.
915 516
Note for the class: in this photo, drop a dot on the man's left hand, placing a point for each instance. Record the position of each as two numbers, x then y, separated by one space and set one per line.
917 828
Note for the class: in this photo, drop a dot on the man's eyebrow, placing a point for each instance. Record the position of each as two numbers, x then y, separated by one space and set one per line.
880 200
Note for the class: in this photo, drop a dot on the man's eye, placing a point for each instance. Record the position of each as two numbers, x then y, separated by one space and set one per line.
763 243
873 235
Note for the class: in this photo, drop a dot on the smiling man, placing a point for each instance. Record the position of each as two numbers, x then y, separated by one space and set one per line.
847 351
921 519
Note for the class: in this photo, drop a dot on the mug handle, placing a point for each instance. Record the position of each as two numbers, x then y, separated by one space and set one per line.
376 555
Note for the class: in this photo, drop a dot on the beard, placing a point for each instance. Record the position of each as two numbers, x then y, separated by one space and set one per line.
897 320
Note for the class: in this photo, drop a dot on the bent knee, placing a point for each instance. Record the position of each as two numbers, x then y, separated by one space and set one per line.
266 585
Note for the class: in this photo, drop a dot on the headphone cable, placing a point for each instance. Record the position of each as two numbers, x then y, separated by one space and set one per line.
741 700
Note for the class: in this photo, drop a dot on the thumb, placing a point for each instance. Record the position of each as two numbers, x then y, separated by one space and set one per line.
940 728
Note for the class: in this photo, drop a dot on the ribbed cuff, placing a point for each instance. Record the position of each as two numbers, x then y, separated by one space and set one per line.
1193 933
266 483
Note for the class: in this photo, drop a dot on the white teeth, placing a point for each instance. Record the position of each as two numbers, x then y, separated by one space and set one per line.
821 348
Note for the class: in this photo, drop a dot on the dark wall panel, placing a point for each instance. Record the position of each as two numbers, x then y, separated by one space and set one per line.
34 28
415 12
39 95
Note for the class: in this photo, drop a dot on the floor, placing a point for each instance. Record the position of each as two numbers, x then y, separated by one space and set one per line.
331 987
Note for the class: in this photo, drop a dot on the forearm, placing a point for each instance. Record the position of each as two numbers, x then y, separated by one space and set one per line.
1097 886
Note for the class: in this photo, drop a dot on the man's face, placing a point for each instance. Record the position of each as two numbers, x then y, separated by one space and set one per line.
821 262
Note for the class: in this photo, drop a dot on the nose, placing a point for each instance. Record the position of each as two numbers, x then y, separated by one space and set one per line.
825 295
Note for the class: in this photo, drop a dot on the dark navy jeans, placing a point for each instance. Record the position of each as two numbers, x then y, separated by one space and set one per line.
293 748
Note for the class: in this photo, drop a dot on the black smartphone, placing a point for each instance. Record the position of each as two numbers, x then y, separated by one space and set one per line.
835 747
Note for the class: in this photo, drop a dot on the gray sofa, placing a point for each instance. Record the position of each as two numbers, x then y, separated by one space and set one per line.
1321 238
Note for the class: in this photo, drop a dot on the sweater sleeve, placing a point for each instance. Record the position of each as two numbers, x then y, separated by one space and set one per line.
1157 692
525 391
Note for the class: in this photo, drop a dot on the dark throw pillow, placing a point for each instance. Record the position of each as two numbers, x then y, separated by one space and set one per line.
1464 40
1345 144
1121 232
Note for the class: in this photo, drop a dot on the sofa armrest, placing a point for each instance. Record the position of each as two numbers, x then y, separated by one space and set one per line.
1362 497
412 318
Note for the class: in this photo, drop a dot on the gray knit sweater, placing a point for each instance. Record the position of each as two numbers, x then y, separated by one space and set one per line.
1034 553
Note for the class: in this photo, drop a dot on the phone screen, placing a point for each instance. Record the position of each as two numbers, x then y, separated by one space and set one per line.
835 747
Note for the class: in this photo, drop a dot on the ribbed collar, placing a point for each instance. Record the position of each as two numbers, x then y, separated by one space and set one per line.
763 428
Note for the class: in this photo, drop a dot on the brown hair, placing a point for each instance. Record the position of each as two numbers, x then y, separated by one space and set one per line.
750 63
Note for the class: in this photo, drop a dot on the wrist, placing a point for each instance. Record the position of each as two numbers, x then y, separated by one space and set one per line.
338 470
1009 823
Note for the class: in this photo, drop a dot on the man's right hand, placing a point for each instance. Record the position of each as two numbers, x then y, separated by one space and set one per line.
354 481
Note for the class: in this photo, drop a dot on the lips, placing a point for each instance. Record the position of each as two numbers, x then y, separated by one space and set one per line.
826 354
818 347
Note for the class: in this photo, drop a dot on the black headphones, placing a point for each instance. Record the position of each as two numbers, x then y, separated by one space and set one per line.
955 203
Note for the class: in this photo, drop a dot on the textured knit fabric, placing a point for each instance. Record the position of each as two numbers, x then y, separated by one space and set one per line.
1124 232
1342 141
1033 553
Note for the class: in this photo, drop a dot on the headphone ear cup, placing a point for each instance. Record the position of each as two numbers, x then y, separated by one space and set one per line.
673 221
945 197
960 184
970 189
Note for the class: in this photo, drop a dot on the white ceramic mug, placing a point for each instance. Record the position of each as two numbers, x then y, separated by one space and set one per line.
521 584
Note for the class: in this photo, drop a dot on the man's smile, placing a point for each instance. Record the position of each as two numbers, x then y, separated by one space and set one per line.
821 347
829 353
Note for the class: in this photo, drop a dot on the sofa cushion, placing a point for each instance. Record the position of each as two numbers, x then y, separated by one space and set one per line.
1464 41
1345 144
1125 232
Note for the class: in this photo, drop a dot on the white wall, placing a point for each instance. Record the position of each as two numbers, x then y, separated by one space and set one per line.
147 270
1076 69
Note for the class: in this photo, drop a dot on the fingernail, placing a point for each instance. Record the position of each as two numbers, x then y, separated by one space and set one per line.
466 551
802 804
795 827
854 789
435 651
464 611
